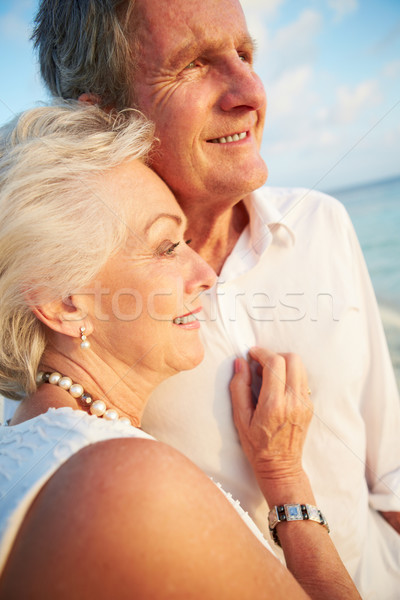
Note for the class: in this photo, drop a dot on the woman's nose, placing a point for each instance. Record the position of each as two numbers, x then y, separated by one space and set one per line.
201 276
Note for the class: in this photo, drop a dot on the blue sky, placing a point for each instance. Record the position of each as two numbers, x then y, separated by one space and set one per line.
331 69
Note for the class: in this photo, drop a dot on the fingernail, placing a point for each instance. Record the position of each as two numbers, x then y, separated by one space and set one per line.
238 365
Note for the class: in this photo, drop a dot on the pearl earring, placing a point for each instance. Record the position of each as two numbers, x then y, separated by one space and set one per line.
85 344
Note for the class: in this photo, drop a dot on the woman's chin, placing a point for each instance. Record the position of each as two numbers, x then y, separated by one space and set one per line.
197 360
191 360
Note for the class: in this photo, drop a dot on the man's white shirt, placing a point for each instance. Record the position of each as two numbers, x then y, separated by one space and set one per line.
296 281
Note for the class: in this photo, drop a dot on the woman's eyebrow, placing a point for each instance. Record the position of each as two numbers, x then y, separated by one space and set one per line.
175 218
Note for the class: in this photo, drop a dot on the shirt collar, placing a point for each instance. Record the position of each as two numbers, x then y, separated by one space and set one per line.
267 223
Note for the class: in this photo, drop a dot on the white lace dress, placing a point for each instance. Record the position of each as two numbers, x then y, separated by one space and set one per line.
32 451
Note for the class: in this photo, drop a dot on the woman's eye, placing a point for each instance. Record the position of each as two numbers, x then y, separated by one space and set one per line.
188 242
168 250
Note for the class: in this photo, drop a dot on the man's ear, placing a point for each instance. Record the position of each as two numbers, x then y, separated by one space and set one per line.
64 316
92 99
95 100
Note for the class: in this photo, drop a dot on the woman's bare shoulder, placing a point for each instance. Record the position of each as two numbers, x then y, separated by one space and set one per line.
135 518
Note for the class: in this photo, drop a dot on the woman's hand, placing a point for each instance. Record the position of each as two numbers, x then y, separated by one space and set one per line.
273 432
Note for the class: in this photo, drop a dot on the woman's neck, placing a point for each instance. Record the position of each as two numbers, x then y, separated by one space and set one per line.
125 392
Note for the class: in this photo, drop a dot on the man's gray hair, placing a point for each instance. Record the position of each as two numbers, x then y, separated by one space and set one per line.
85 46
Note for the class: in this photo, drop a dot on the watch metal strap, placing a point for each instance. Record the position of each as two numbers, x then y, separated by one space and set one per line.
293 512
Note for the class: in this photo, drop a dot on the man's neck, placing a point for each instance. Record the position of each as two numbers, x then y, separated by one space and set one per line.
215 235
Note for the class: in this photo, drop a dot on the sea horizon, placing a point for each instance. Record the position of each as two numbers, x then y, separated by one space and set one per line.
362 184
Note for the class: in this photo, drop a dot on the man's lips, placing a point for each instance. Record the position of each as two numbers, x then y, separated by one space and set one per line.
187 318
228 139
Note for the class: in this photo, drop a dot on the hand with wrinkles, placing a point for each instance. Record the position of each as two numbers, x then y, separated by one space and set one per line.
273 431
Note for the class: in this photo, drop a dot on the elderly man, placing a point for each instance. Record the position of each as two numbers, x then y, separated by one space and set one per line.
291 274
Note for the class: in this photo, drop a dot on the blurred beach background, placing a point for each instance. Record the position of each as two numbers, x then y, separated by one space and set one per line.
331 69
375 211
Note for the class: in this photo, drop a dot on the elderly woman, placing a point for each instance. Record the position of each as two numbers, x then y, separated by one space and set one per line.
99 303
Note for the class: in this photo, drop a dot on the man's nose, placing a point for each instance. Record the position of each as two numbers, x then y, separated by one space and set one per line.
243 87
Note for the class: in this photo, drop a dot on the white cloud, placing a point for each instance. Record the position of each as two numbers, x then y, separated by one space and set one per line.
295 44
295 123
308 24
287 46
391 137
326 138
259 32
13 27
352 101
317 113
260 13
283 48
304 142
285 92
342 8
392 70
388 41
298 122
267 7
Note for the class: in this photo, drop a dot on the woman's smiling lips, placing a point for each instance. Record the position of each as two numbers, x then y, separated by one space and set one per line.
188 321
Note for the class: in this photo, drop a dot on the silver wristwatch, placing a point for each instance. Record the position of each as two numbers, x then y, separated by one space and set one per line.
293 512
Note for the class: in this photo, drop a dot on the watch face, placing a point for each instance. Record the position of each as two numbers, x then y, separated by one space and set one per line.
293 512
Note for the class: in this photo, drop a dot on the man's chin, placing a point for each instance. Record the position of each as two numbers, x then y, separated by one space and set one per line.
245 181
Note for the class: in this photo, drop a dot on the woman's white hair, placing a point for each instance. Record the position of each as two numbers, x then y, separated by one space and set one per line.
56 229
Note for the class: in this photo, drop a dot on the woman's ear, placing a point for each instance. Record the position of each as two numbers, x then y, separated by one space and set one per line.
64 316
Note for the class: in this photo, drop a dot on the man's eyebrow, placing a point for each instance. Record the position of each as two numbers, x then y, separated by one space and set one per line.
183 54
176 218
248 40
192 50
253 43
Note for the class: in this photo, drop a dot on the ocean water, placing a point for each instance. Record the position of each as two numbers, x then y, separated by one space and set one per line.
375 213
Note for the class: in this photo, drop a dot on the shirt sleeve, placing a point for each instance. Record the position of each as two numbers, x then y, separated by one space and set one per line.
380 403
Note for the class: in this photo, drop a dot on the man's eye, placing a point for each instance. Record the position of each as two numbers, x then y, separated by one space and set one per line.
191 65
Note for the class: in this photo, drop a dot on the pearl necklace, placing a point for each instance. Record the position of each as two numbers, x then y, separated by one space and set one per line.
96 407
